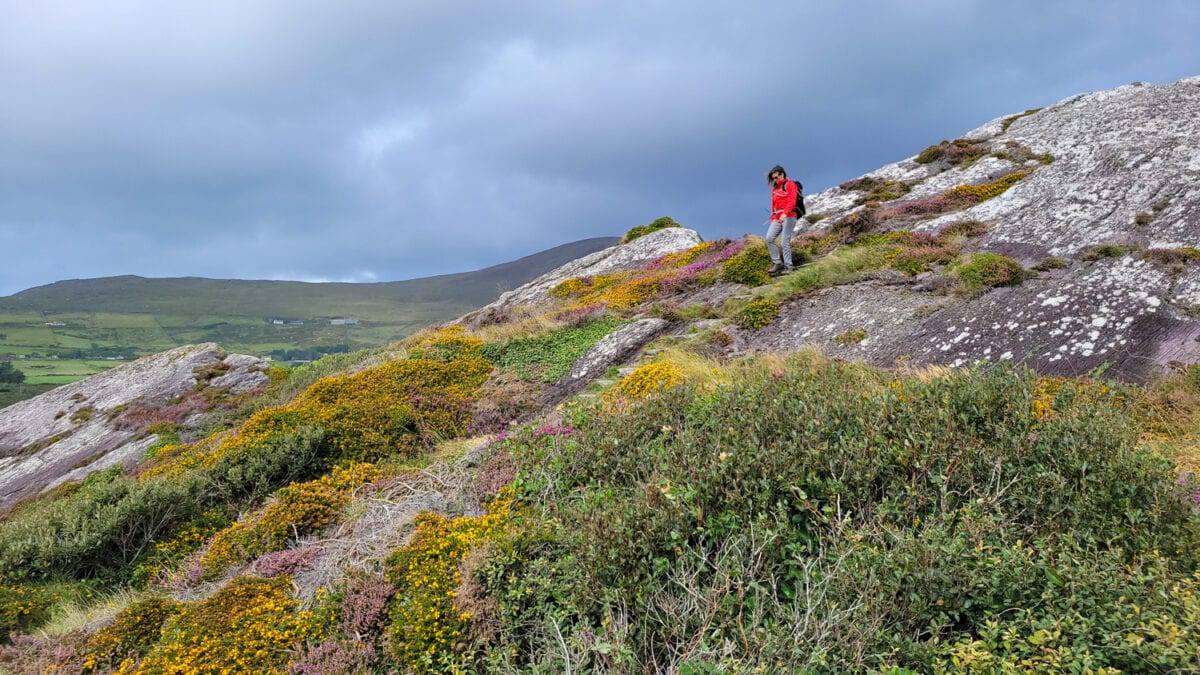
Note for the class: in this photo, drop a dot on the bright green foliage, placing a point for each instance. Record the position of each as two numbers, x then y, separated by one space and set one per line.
750 266
643 230
832 518
547 358
985 270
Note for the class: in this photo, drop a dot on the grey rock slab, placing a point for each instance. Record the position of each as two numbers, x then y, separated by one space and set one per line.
72 430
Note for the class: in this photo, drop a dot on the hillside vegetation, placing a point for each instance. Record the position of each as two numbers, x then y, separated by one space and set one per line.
68 330
423 509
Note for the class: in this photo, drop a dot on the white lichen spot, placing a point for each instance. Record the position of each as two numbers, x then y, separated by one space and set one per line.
1055 301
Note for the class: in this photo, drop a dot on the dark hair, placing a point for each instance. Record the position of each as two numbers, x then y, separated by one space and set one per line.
776 169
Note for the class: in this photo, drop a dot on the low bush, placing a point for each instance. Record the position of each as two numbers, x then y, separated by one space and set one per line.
428 631
1171 256
643 230
930 154
130 636
851 337
749 266
828 517
646 380
23 607
981 271
757 313
248 626
295 511
1101 251
876 189
1050 263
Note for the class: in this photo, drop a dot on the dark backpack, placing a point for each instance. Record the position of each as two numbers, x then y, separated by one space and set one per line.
799 209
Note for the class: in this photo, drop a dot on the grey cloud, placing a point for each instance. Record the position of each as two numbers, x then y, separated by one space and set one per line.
393 140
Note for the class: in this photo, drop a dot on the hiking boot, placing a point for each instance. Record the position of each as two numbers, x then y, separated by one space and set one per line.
775 269
788 269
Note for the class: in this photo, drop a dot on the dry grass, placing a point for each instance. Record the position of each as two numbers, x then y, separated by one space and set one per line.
522 322
379 520
89 614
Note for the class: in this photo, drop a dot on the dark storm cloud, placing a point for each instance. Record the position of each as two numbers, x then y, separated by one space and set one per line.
388 140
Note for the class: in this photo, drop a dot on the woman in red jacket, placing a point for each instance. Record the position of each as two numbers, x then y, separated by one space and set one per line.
783 220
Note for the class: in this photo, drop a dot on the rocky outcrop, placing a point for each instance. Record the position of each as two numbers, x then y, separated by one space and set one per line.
1111 167
69 432
612 259
614 349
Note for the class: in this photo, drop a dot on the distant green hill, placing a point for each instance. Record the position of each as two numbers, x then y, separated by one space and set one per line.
52 331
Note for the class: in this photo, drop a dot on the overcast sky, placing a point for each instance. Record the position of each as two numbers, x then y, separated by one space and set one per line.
378 141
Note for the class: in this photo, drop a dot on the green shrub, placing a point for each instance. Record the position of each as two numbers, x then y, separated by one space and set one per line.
1100 251
748 267
968 229
863 220
23 607
1142 219
757 313
834 518
851 337
930 154
1171 256
1050 263
877 189
131 634
643 230
985 270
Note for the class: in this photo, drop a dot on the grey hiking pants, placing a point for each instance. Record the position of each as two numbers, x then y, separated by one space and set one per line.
777 228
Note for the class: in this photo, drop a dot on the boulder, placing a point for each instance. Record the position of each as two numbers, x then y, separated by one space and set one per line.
73 430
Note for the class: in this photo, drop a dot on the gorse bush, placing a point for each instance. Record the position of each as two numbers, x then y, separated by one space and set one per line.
132 634
835 518
295 511
428 630
749 266
247 627
624 291
22 606
757 313
110 522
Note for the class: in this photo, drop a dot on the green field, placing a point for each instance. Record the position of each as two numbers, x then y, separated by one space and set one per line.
61 371
70 330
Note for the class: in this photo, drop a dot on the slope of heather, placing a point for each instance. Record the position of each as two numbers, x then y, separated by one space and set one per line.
642 462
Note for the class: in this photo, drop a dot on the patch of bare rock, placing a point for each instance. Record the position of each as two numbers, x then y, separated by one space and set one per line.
73 430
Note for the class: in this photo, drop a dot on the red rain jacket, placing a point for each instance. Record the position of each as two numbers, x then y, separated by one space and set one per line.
783 200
